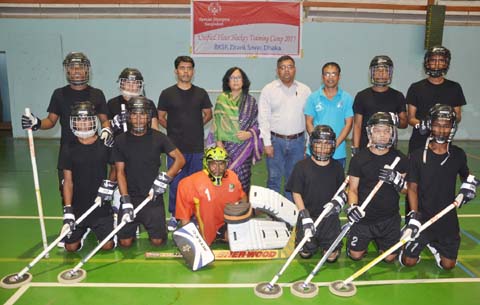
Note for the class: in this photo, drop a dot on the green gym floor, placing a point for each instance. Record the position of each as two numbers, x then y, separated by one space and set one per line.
126 277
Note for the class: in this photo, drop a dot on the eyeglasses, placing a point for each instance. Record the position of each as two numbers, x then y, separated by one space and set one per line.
286 67
330 74
234 78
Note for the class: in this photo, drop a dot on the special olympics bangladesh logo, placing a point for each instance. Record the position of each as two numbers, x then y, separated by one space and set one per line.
214 8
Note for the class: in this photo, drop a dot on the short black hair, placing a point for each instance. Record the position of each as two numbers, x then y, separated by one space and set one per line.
285 58
226 78
180 59
332 63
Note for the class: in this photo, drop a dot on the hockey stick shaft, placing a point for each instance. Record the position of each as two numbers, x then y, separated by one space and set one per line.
124 111
64 233
111 235
36 183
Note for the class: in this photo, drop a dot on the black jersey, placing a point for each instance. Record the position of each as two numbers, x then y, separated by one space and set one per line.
88 164
184 116
141 155
64 98
437 183
423 95
367 102
115 107
316 184
366 166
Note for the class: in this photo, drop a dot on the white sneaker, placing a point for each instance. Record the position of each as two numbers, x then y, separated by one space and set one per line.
172 224
436 255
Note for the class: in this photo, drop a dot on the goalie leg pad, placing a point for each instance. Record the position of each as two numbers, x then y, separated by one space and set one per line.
274 204
237 212
193 247
257 234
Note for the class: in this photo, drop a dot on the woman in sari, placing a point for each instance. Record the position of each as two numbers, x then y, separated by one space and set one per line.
236 125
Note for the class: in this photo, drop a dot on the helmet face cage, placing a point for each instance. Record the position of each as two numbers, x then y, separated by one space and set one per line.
438 118
215 161
139 116
381 71
379 125
77 68
130 82
435 70
322 142
83 121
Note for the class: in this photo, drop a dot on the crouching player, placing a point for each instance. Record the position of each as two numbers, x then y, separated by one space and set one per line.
313 183
380 222
84 163
137 161
432 179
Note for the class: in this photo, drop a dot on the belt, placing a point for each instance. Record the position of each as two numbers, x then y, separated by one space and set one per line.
289 137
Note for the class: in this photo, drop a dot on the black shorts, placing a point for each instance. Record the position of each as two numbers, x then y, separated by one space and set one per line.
101 226
446 244
326 233
152 217
385 234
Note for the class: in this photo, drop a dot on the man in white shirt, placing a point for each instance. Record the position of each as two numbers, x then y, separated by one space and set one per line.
282 123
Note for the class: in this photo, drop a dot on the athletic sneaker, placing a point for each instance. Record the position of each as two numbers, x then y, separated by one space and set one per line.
172 224
436 255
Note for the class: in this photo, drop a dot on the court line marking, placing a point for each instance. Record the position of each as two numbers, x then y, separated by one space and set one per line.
470 236
467 268
473 156
14 298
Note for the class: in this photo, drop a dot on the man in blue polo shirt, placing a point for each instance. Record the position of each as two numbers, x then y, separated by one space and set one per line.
332 106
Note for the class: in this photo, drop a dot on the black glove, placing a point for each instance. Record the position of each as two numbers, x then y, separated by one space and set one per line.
127 208
468 189
413 225
392 177
118 121
106 135
69 218
31 122
355 150
307 222
106 189
354 213
422 128
338 203
160 184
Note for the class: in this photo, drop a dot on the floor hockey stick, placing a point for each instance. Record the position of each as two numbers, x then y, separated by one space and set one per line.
18 279
77 274
271 290
124 111
305 289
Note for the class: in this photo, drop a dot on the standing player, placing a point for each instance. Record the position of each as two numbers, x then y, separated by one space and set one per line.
313 183
183 109
205 194
432 180
137 161
84 164
380 97
380 222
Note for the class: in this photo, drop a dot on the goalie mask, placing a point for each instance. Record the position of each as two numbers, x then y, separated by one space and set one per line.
139 115
382 130
130 82
77 68
322 142
441 120
215 162
83 120
381 71
437 61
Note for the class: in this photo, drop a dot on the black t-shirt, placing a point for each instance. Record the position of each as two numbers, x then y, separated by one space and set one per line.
316 184
366 166
436 184
141 155
367 102
64 98
114 108
88 164
423 95
184 116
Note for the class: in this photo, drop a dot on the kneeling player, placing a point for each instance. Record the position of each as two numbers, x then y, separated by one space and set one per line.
432 178
84 164
313 183
137 161
380 222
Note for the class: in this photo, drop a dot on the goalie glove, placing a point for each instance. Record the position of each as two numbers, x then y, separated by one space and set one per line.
160 184
354 213
69 218
118 121
468 189
31 122
106 135
338 202
308 226
412 230
392 177
422 128
106 189
127 209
